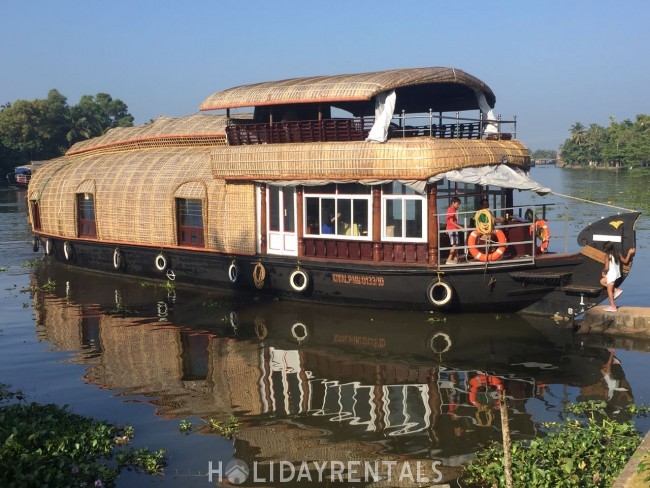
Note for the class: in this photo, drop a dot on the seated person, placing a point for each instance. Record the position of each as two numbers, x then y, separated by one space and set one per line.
329 221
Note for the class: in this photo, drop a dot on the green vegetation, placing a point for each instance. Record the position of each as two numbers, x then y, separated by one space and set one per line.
46 445
586 449
43 129
621 144
48 286
544 154
228 428
185 426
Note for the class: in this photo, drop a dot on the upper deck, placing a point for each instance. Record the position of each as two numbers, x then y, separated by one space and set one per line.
376 106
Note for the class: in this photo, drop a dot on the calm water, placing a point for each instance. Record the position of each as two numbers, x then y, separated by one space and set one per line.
307 382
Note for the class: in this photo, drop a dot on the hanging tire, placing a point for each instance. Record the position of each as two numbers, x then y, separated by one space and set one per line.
118 260
68 251
299 332
233 272
440 343
161 262
299 280
36 242
49 248
440 294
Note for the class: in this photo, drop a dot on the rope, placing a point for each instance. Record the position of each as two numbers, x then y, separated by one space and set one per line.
594 202
484 221
259 273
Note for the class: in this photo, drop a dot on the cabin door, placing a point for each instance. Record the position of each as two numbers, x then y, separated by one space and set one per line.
281 221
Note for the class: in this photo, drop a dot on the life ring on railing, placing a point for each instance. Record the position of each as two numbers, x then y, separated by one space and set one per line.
233 272
36 242
67 250
492 256
483 381
117 258
259 274
161 262
48 247
299 280
542 232
440 293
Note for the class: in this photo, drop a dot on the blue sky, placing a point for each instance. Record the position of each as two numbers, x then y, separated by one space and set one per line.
551 63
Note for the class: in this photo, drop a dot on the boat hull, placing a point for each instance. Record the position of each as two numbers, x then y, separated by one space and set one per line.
497 288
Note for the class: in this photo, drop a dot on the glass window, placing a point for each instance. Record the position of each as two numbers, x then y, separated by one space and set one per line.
86 226
404 218
345 214
190 222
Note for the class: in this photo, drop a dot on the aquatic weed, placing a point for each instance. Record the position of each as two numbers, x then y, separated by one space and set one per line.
575 452
47 445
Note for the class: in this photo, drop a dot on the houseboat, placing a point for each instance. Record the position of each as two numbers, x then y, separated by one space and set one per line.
20 176
330 189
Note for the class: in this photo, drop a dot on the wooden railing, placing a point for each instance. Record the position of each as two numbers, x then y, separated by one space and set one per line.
388 252
357 129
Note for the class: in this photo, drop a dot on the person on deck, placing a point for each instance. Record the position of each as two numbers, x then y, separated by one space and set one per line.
452 228
612 272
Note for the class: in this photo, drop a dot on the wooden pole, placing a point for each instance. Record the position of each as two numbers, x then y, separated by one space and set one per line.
505 430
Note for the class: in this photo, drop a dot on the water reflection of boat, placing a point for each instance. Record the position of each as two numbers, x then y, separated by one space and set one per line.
317 383
250 203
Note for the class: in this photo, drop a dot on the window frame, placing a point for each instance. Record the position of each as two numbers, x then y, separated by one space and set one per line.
385 197
189 229
36 214
86 227
338 197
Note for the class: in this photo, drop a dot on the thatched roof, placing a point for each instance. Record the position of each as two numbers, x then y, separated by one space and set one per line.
418 90
192 130
409 159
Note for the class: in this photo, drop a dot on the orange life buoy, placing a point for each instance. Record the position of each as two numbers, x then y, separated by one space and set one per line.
482 381
542 232
495 255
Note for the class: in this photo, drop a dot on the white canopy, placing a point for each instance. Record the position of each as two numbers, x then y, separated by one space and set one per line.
497 175
500 175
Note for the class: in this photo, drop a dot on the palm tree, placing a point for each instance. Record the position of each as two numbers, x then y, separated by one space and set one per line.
578 133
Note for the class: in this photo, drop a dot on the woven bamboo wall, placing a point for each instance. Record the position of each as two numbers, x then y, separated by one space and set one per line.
134 196
409 159
232 212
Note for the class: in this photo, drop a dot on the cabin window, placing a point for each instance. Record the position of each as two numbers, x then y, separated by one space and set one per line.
36 215
86 226
339 211
190 222
403 216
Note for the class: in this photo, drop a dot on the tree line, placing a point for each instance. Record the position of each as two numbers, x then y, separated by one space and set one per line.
42 129
620 144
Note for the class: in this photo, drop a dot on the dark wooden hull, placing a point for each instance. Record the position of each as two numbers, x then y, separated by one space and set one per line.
498 288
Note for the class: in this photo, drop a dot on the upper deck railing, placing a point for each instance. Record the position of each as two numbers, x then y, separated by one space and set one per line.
357 129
